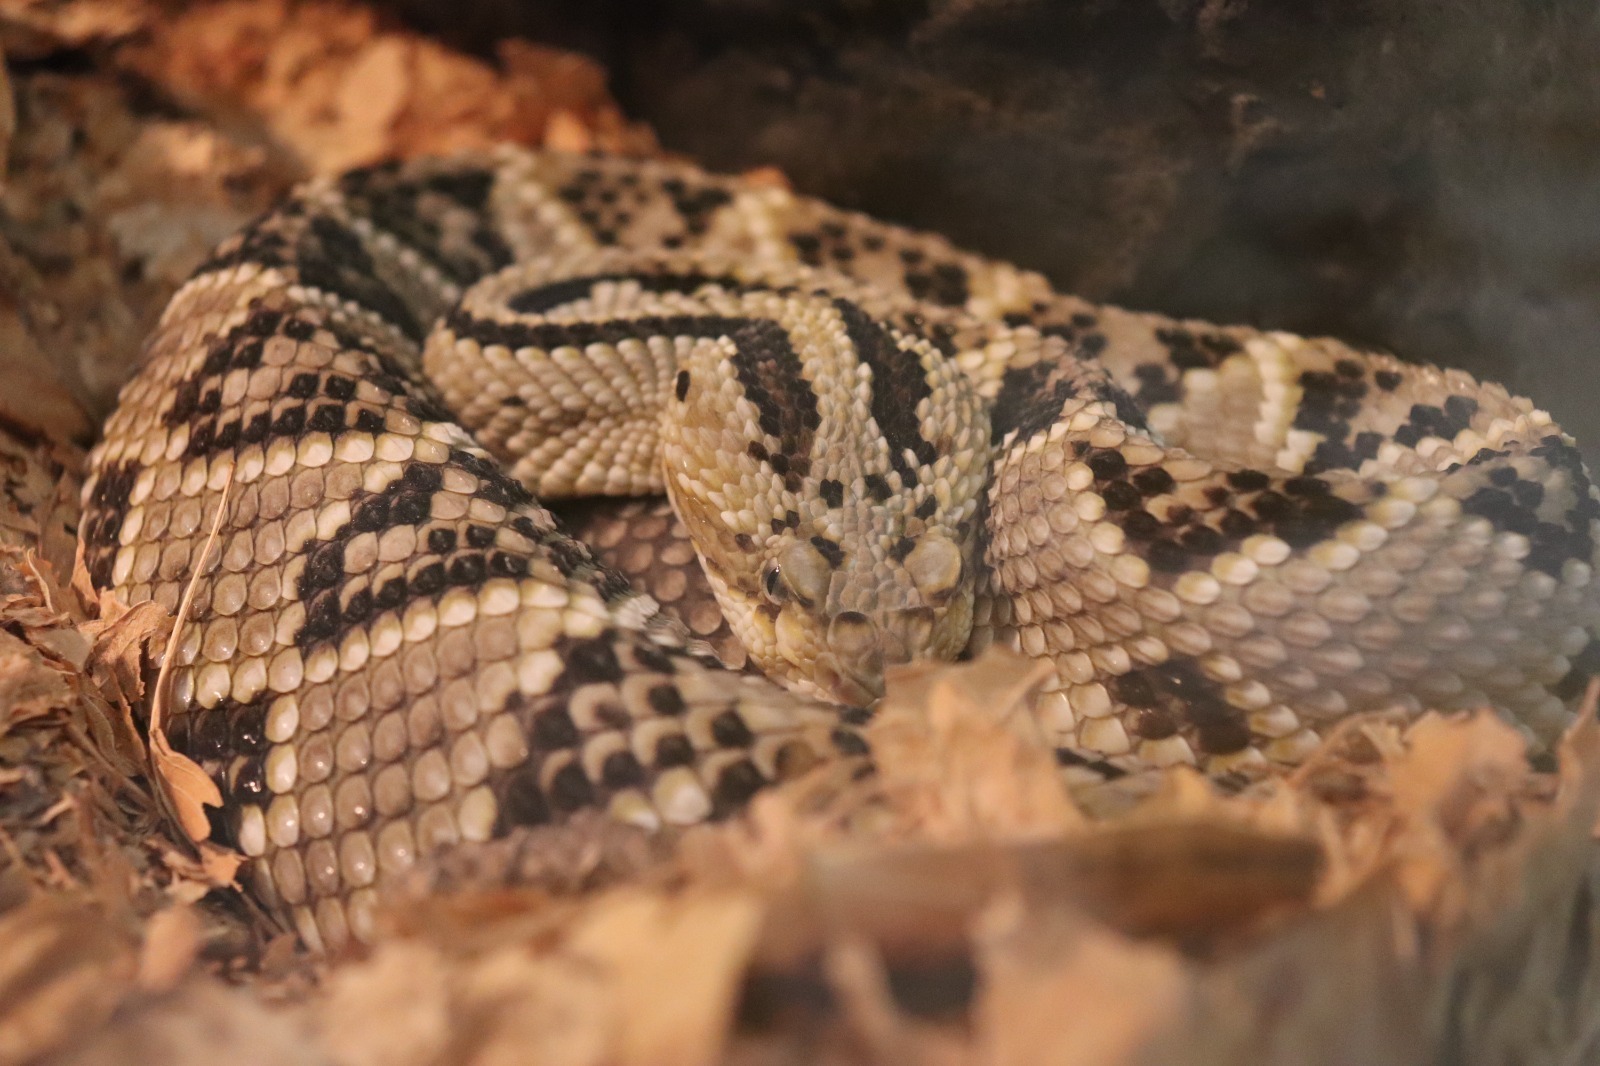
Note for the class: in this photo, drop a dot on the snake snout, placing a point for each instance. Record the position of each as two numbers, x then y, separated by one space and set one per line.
859 648
853 665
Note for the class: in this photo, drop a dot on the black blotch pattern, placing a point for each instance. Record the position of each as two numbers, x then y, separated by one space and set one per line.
735 785
570 789
324 568
848 742
1190 349
1301 510
591 660
1177 691
666 699
327 254
247 727
1128 409
521 802
899 385
942 283
333 258
410 202
729 730
336 602
468 571
1153 481
808 246
1157 384
1330 402
696 202
205 734
621 769
674 750
829 551
1071 757
326 418
1029 401
246 781
831 242
102 526
1513 504
1427 420
213 430
553 729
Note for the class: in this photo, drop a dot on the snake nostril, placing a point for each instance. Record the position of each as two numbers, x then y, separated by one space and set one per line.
852 633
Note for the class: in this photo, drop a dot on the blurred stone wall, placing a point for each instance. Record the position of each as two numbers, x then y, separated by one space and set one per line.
1420 176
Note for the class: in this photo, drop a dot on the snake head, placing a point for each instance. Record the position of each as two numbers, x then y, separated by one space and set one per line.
830 472
828 457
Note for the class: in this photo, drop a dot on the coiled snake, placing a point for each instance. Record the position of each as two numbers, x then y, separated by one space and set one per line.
882 448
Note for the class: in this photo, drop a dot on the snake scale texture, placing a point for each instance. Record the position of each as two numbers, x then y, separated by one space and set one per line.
877 446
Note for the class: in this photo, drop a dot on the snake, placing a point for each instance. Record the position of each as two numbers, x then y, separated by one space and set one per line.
805 446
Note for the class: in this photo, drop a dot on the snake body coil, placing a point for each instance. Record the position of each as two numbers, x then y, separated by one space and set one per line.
882 448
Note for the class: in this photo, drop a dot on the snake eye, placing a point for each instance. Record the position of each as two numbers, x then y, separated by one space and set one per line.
772 582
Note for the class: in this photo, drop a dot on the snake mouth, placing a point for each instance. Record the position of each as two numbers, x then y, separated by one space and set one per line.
852 690
859 647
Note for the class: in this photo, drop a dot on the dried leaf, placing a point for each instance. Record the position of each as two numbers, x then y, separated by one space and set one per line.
121 639
187 788
29 686
198 868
